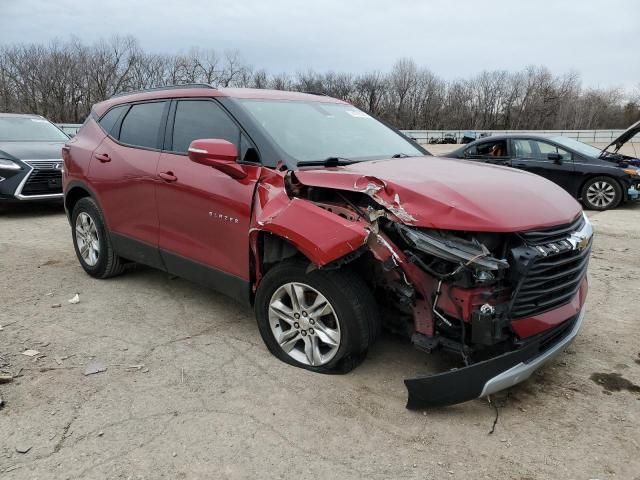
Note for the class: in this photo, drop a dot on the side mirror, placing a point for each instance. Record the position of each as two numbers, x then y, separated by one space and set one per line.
556 157
217 153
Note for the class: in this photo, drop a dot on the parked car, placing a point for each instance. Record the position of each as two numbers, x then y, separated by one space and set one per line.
599 179
447 138
30 158
469 136
332 225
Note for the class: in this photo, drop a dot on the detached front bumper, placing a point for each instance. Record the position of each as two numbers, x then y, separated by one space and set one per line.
490 376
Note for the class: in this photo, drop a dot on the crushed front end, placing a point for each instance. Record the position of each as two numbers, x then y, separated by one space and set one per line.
505 301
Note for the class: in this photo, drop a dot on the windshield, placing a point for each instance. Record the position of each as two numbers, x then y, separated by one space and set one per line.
315 131
579 147
29 129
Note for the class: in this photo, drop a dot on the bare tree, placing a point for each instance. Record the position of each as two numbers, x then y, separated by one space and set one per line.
62 80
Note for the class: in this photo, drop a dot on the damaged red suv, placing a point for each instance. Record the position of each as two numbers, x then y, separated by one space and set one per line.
332 225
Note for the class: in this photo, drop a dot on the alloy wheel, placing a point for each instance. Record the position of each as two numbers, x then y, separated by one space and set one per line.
601 194
87 239
304 324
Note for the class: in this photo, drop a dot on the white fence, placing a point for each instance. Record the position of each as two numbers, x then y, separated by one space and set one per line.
586 136
424 136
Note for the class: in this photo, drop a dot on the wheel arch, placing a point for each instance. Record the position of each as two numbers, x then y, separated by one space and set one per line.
74 192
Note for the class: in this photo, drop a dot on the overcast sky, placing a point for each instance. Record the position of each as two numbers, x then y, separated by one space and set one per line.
598 39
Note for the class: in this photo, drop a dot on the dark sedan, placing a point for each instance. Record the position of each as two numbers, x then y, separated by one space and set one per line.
30 158
600 179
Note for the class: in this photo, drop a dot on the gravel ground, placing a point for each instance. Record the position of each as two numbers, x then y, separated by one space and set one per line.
190 391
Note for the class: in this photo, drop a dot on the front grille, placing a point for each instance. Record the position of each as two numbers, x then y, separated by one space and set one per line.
554 234
553 273
43 182
51 164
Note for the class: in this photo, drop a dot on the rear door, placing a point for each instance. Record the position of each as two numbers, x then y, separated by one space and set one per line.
204 214
123 174
533 156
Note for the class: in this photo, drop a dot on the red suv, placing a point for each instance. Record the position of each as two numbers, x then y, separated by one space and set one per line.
332 225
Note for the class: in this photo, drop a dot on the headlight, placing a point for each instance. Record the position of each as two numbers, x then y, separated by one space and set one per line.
9 165
451 248
634 172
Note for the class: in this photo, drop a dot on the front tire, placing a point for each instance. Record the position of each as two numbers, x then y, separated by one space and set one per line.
91 242
322 321
601 193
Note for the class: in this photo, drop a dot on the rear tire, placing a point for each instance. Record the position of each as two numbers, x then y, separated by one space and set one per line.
323 321
91 241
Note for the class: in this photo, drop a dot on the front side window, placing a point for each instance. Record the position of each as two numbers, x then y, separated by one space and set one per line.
198 119
29 129
310 131
141 126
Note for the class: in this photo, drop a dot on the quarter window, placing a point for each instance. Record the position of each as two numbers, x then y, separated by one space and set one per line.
197 119
141 126
110 118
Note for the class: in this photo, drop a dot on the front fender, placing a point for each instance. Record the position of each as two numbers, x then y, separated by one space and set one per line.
318 234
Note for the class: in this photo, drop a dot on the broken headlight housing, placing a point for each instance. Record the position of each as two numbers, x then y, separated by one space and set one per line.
453 249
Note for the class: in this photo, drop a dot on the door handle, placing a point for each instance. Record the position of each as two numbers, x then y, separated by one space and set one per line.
168 176
103 157
520 165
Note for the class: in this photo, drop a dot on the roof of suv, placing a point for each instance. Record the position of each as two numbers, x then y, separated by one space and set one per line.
208 91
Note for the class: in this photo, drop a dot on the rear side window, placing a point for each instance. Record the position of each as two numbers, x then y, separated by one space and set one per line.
141 126
196 119
110 118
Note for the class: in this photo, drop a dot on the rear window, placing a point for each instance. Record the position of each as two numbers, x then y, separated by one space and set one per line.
141 126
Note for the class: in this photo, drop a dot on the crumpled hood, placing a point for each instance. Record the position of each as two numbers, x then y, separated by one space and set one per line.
31 150
453 194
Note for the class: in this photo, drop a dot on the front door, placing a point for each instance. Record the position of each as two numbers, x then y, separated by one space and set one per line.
204 214
533 156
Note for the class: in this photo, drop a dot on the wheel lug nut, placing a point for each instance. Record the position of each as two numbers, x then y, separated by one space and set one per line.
304 314
304 332
312 321
296 325
311 331
296 315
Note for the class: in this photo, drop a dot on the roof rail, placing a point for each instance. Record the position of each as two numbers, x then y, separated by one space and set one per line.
166 87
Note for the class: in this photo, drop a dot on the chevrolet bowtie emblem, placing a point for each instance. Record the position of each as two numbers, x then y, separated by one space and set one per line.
583 242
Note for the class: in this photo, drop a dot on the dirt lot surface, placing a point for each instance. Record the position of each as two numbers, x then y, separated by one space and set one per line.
191 392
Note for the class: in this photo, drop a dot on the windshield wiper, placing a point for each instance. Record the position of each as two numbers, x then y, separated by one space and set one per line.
328 162
400 155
